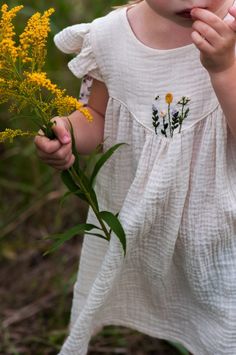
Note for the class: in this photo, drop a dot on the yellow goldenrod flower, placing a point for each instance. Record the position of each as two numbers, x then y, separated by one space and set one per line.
8 47
10 134
66 104
41 80
86 113
34 38
24 84
169 98
6 26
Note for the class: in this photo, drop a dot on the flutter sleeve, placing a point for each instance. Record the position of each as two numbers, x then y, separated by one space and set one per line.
76 39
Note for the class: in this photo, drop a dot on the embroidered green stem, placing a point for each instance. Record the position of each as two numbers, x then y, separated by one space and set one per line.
171 132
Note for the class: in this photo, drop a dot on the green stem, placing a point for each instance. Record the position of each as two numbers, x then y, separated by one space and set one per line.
182 115
171 133
90 201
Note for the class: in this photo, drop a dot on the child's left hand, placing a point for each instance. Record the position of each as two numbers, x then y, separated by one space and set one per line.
215 39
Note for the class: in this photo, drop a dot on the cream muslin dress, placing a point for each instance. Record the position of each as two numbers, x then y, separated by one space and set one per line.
174 185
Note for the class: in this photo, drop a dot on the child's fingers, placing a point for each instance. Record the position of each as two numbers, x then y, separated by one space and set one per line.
61 131
58 155
61 165
46 145
211 19
206 32
232 24
200 42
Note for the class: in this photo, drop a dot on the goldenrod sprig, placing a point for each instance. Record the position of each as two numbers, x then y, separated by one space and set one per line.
23 83
10 134
34 39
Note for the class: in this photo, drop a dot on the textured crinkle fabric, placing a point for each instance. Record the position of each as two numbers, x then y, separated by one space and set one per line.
76 39
174 188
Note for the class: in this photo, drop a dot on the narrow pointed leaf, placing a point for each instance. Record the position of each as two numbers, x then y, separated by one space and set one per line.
64 197
85 180
180 347
68 181
114 223
91 159
71 185
86 183
74 149
97 235
60 239
102 161
94 198
56 245
78 229
110 230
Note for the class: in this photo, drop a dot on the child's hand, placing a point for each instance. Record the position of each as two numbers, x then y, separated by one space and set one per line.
215 39
57 152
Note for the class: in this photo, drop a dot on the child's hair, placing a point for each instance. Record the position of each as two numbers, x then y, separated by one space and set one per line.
131 2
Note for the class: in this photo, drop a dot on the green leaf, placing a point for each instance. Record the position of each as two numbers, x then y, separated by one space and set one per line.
71 185
63 237
102 161
74 149
94 198
68 181
91 159
114 223
84 179
97 235
180 347
64 197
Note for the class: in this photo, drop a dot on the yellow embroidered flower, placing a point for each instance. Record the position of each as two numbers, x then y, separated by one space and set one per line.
169 98
10 134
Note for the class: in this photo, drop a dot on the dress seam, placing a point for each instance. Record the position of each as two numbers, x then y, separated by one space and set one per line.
175 134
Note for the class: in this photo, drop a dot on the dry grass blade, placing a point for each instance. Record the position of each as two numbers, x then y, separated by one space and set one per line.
54 195
29 310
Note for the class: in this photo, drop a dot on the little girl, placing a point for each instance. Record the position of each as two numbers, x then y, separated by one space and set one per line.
163 81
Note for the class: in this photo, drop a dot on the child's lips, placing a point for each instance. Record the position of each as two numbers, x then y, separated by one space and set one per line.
186 13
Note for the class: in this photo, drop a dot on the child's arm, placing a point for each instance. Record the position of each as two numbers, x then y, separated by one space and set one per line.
216 41
88 135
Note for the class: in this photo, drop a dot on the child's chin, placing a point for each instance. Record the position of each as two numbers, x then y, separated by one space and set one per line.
188 23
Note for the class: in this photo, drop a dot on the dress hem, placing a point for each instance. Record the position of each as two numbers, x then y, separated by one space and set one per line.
161 335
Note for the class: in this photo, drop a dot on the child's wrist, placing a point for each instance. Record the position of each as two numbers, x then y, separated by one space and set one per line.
226 73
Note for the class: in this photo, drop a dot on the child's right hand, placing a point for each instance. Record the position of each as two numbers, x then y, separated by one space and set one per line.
57 152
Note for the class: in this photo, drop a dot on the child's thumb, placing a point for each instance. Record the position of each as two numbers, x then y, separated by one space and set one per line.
61 132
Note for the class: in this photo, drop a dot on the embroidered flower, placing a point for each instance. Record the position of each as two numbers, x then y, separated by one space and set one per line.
169 98
155 117
167 121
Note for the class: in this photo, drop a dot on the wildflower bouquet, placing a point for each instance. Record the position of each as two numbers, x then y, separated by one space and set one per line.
24 85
